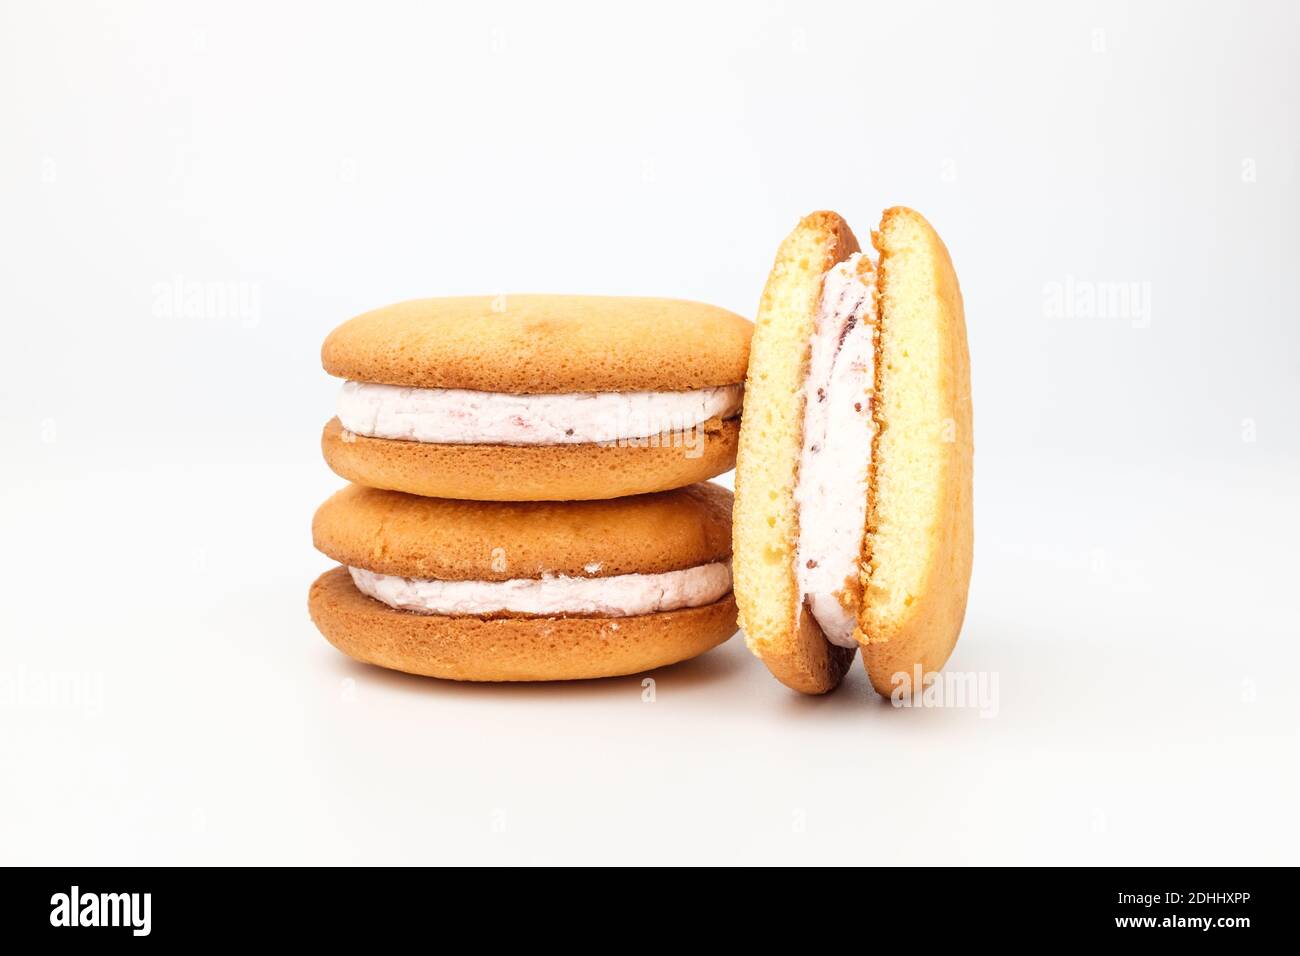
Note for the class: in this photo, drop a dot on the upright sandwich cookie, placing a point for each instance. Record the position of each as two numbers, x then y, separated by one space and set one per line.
493 591
853 519
536 397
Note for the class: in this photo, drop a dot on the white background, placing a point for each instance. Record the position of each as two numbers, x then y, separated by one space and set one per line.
163 695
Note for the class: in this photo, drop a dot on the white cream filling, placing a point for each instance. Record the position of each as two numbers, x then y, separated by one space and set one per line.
461 416
620 595
831 492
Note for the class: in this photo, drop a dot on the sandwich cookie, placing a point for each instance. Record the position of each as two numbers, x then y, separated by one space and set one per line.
853 522
496 591
536 397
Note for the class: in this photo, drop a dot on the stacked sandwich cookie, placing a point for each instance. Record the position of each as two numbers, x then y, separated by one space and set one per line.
536 397
529 499
497 591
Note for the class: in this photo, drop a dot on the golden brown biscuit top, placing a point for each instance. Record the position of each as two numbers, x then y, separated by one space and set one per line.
524 344
390 532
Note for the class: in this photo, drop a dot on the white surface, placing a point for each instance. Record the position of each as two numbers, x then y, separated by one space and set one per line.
619 595
1137 469
460 416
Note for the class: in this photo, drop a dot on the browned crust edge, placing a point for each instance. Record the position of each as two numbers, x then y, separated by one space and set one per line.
391 532
529 343
513 648
530 472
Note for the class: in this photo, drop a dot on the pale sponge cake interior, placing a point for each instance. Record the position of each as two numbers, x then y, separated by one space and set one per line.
766 528
917 556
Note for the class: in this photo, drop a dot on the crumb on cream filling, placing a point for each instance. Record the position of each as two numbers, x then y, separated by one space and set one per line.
834 464
620 595
462 416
